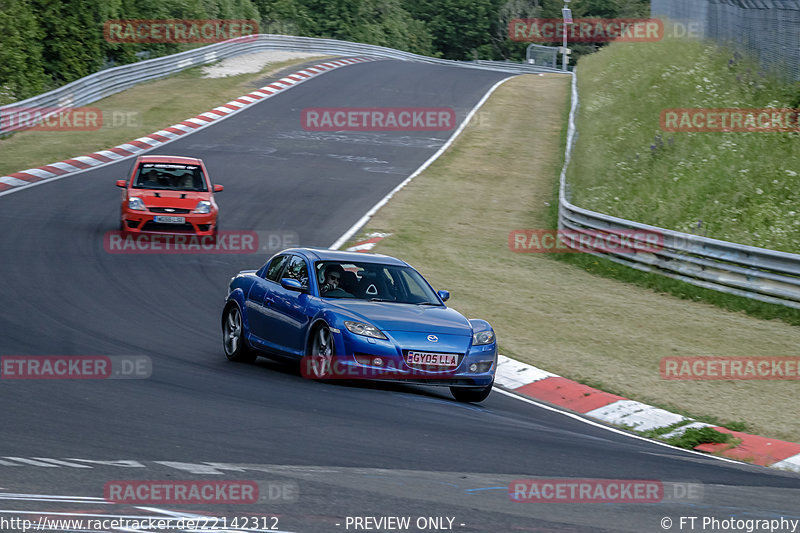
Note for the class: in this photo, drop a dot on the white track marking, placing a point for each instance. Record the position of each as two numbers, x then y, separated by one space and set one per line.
60 462
31 462
790 463
14 182
64 166
124 463
50 498
513 374
39 173
636 415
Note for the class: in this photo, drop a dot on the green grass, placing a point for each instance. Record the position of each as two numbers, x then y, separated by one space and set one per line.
695 436
740 187
680 289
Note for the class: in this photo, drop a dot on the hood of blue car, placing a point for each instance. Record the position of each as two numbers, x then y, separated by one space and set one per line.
390 316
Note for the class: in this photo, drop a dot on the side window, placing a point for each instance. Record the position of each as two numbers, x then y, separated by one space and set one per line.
275 266
297 269
130 169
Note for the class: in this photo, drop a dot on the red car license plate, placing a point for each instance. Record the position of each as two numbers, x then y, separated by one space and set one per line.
170 220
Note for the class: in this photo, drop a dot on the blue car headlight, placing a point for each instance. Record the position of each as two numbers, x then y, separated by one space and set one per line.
367 330
482 337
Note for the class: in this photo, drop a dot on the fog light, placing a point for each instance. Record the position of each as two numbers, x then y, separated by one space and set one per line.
377 361
473 368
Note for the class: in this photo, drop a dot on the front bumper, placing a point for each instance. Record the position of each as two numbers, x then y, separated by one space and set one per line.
144 222
361 353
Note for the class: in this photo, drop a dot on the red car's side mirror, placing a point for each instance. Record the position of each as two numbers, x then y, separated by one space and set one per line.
218 188
122 183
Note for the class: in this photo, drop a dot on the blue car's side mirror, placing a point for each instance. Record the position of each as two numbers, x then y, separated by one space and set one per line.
293 285
444 295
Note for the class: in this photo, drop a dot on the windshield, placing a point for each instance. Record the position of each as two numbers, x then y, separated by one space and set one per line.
375 282
172 177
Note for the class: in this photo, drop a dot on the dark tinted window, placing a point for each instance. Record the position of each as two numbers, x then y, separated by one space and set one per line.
275 267
169 176
370 281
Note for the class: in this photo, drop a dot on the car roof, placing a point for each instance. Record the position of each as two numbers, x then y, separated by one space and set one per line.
177 159
324 254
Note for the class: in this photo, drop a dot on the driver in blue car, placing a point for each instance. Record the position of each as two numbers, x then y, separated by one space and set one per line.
331 287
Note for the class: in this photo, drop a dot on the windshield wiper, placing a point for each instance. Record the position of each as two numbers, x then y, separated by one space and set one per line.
381 300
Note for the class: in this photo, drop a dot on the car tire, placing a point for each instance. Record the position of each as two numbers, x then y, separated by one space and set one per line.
236 348
322 352
471 394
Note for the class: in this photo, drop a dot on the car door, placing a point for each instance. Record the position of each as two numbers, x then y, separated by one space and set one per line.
289 309
259 302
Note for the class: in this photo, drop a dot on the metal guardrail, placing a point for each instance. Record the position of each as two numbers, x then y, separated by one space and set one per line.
757 273
107 82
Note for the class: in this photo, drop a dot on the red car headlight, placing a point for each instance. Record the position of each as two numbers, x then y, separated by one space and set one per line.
203 207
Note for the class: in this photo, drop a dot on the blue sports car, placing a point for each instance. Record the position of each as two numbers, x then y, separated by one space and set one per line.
357 316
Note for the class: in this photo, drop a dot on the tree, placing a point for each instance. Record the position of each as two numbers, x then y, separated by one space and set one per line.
613 8
73 44
21 72
458 26
386 23
283 17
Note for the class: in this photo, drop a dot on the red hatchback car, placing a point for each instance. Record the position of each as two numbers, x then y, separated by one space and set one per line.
168 194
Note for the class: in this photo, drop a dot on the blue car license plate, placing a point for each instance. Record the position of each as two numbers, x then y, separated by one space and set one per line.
433 359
